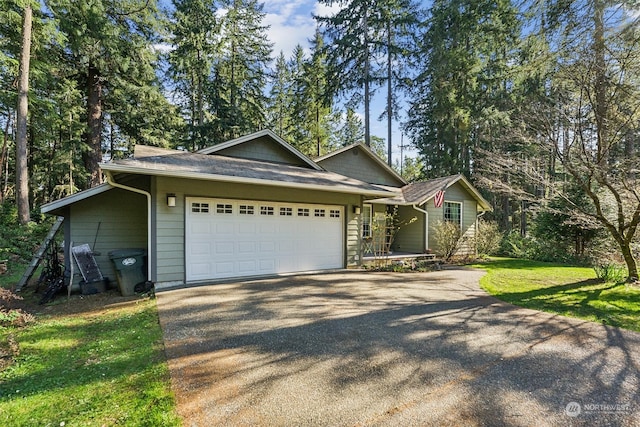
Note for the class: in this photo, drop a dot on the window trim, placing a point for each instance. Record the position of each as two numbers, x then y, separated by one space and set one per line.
367 220
444 211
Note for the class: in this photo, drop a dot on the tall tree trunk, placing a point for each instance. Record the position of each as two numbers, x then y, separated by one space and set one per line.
22 173
4 158
93 156
367 95
601 107
389 100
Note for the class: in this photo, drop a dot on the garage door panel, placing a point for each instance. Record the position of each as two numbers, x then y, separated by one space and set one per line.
245 238
246 266
246 247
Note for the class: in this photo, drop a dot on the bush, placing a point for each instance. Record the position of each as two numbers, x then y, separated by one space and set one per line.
610 272
488 238
546 250
19 241
448 238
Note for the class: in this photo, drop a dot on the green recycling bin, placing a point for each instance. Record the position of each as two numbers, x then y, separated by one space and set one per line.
130 269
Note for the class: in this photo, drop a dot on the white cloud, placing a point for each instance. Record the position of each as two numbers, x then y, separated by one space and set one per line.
324 10
291 23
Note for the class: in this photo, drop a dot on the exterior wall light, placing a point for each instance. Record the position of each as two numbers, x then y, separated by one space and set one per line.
356 209
171 200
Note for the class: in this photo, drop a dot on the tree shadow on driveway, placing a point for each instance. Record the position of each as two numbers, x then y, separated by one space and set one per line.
360 348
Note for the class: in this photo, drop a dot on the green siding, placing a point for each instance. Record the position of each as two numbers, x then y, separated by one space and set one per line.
355 164
170 221
263 149
116 219
456 193
410 237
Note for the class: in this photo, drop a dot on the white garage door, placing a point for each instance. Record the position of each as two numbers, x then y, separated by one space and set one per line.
239 238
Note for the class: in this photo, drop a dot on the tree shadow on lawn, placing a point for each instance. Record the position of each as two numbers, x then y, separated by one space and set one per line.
611 304
460 359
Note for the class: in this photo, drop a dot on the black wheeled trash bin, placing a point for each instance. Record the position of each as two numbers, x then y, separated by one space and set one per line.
130 269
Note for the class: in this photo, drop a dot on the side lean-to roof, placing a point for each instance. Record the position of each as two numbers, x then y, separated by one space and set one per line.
418 193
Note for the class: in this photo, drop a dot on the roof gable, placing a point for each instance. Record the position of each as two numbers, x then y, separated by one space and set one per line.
358 161
418 193
263 146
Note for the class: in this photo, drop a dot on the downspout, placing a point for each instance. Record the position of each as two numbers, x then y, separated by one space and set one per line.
113 183
478 228
426 226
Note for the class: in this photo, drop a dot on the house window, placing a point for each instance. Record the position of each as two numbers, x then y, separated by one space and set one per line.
246 210
334 213
453 212
266 210
200 207
284 211
222 208
366 220
303 211
319 212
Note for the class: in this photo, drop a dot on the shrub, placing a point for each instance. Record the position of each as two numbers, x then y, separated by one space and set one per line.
610 272
19 241
448 237
488 238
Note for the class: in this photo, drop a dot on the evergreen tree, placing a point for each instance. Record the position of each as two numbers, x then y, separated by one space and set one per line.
465 53
318 96
348 130
195 32
109 44
236 92
280 97
351 40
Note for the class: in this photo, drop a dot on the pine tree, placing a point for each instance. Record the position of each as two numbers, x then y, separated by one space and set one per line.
110 46
351 40
465 51
195 34
240 72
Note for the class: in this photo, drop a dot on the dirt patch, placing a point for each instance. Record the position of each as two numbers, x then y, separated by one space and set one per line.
77 303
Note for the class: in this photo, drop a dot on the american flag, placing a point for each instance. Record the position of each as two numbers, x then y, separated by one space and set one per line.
438 199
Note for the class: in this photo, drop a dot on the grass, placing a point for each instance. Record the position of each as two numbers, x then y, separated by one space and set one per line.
562 289
98 368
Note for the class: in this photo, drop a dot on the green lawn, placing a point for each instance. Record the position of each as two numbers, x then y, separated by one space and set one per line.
566 290
99 368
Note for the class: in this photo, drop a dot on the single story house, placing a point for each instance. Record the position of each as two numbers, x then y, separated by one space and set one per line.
253 206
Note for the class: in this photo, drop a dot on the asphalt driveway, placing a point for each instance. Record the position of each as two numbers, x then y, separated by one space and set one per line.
364 349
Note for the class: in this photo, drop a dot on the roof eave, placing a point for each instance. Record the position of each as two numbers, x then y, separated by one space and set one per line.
54 206
241 180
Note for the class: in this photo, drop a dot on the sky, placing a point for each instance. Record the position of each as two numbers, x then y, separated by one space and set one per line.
291 23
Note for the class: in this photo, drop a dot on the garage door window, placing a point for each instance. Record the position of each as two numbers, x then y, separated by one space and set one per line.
266 210
224 209
334 213
246 210
319 213
200 207
286 211
303 211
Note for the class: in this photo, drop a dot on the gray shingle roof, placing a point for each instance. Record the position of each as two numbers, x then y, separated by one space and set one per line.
152 161
417 193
